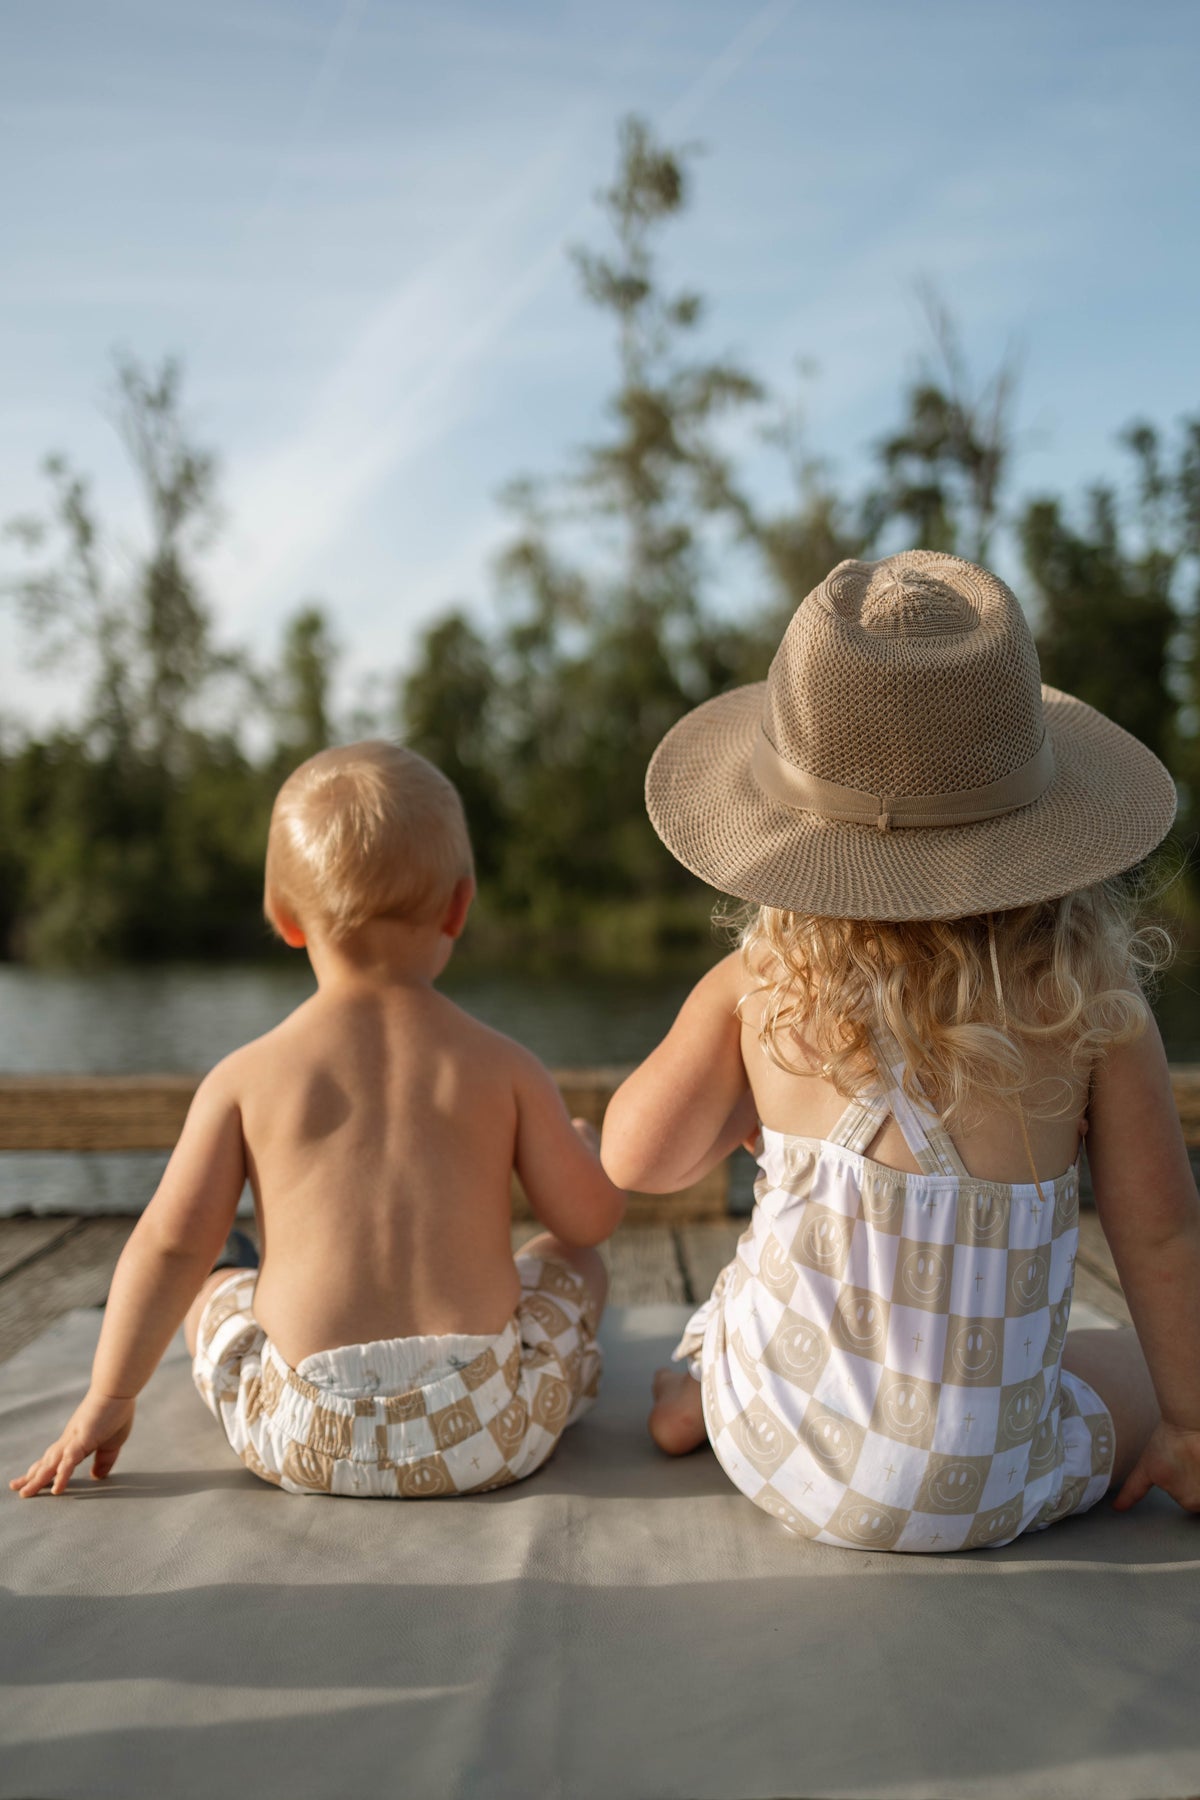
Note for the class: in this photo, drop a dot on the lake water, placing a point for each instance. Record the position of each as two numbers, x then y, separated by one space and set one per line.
184 1019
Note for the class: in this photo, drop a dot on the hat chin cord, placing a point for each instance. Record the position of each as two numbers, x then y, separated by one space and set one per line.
995 960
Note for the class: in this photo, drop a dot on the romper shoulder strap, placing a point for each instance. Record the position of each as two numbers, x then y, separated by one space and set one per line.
924 1133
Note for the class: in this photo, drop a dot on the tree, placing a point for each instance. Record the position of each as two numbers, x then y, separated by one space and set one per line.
299 693
146 634
446 710
1113 626
607 639
945 468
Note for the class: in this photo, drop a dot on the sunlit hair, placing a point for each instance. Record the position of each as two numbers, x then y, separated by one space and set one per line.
365 831
1072 973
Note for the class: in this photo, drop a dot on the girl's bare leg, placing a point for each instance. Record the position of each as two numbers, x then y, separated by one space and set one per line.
677 1416
1112 1362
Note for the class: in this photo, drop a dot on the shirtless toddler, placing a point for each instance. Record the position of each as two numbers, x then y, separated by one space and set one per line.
390 1345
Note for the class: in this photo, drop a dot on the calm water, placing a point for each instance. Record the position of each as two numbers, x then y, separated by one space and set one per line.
179 1020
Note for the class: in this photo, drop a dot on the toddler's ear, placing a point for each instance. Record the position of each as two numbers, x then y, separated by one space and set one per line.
459 905
291 933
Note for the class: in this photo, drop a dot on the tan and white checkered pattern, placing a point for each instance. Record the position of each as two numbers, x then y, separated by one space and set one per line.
881 1362
480 1426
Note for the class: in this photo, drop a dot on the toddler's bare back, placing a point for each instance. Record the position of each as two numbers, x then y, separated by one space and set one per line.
379 1131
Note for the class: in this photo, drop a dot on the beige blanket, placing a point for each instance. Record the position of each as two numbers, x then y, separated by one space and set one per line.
619 1625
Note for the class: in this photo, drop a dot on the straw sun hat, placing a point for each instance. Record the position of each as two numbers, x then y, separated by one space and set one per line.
903 760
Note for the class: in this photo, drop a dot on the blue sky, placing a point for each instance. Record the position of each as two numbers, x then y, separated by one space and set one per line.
350 218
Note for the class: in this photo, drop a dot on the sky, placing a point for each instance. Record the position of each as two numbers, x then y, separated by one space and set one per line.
351 218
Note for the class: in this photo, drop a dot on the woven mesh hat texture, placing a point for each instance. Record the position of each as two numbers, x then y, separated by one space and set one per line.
859 694
916 675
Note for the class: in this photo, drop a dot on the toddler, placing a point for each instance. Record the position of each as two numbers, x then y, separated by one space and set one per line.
390 1345
935 998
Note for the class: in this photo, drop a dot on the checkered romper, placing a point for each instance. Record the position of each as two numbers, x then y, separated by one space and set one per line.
881 1362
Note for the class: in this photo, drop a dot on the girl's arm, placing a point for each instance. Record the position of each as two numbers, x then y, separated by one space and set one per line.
1150 1211
557 1161
690 1103
171 1250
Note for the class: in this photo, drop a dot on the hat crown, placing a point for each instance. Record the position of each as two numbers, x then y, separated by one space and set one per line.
915 675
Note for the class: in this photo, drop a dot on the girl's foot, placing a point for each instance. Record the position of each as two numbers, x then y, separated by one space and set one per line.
677 1416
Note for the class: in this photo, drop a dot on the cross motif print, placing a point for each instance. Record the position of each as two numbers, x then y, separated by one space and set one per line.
1012 1474
889 1471
918 1340
1028 1341
936 1538
1033 1207
978 1282
968 1420
808 1487
474 1462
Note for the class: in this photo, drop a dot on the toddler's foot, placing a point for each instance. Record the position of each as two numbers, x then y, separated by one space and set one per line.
677 1416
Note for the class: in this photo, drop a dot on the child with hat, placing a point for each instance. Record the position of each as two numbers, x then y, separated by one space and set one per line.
935 997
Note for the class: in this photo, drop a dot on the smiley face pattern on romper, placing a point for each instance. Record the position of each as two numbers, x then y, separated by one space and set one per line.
483 1425
881 1363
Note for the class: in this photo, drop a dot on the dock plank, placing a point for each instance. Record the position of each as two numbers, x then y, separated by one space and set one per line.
705 1248
23 1238
74 1272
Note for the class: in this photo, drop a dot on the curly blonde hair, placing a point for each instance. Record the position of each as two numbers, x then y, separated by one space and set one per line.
1073 975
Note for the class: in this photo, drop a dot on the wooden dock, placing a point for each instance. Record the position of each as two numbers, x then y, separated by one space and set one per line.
669 1249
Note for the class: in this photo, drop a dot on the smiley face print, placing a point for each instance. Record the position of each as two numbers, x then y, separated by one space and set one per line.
922 1276
866 1524
983 1215
823 1240
905 1408
995 1527
860 1322
834 1441
797 1351
775 1269
1020 1409
761 1437
1028 1280
973 1349
952 1484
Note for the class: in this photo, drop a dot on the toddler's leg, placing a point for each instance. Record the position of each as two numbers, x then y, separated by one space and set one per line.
1112 1362
587 1263
677 1416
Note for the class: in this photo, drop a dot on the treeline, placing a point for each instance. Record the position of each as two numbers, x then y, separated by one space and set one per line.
641 579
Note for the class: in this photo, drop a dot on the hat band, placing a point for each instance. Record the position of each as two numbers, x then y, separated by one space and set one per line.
797 789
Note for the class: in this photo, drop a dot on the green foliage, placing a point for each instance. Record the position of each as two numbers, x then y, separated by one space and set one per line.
639 580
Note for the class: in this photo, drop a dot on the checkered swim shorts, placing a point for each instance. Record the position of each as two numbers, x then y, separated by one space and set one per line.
409 1418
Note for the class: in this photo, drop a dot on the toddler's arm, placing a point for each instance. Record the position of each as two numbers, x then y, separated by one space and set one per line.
690 1103
171 1250
558 1164
1150 1211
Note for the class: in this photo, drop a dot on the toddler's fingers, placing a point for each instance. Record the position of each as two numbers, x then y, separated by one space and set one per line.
35 1479
1136 1487
67 1465
102 1463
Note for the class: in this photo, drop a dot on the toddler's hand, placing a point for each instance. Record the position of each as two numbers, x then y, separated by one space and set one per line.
99 1426
587 1133
1171 1461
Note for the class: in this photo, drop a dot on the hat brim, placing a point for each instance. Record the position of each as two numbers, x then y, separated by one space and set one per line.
1111 801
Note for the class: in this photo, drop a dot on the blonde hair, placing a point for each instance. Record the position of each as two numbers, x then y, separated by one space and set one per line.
365 831
1072 973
